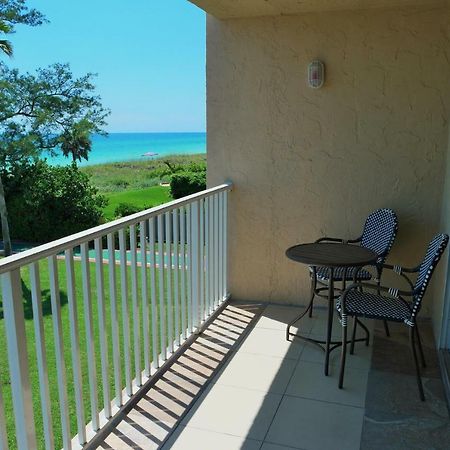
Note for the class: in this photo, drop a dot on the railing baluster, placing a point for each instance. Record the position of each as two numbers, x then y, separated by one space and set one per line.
90 342
216 250
3 433
102 325
136 318
207 263
162 306
18 358
168 218
195 264
114 319
225 245
39 333
75 344
125 311
153 292
220 260
176 263
189 269
201 309
144 296
59 350
211 253
183 270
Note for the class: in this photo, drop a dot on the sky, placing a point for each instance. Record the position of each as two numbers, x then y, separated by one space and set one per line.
149 56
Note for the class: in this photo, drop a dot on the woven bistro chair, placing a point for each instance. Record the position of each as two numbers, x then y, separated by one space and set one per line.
394 307
379 232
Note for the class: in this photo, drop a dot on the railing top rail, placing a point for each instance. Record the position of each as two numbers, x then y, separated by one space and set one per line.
42 251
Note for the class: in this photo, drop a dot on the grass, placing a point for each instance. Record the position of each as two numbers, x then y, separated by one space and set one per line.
143 198
136 182
135 175
50 350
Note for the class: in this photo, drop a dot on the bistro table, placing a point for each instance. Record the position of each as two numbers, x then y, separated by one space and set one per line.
330 255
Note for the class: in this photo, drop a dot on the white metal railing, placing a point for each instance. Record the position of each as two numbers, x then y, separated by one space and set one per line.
166 271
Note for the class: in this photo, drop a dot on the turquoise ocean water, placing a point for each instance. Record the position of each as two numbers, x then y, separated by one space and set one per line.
131 146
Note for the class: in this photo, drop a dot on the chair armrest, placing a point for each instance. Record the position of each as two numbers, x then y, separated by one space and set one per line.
397 293
400 269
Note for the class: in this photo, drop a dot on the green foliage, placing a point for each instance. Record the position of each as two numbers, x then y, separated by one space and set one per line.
140 198
48 111
47 203
140 174
187 183
126 209
13 12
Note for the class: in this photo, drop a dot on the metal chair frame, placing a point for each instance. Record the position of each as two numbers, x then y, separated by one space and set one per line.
416 295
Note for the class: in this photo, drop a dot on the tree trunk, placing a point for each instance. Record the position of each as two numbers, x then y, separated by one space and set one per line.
4 218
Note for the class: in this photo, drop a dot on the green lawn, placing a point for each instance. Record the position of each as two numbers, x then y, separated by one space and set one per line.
136 175
49 343
148 197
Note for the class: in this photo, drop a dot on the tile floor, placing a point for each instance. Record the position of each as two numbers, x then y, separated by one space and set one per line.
272 394
241 385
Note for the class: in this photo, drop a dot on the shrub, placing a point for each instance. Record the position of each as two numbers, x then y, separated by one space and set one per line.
125 209
187 183
46 203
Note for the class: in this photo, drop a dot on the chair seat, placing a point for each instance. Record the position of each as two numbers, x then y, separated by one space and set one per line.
373 306
322 274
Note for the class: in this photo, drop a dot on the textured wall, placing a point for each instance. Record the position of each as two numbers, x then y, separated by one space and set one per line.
311 162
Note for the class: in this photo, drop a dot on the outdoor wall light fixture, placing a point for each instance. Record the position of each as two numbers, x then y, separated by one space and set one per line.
316 74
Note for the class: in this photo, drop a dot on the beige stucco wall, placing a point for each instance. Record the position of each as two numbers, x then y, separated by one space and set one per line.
441 303
311 162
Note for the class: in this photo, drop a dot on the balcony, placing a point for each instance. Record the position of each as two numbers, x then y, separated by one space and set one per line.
124 336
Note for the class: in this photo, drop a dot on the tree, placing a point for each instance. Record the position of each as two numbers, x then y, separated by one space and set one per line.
51 110
12 12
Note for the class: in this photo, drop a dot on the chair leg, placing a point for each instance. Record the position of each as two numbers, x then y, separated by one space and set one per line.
343 355
419 342
352 346
416 362
313 292
386 328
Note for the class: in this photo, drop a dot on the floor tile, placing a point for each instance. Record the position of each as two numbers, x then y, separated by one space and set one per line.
263 341
263 373
316 425
235 411
310 382
187 438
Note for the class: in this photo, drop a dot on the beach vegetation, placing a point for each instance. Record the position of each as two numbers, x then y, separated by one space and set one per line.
49 202
187 183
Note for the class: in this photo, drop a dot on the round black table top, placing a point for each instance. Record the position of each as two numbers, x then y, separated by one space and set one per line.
325 254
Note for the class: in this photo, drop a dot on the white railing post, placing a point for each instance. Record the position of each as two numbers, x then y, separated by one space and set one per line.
18 359
195 264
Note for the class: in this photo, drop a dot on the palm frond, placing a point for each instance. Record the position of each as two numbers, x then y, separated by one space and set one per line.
6 47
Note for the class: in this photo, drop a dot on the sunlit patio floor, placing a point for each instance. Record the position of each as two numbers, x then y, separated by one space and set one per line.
241 385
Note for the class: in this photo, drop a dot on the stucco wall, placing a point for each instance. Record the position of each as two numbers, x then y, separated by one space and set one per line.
308 163
441 303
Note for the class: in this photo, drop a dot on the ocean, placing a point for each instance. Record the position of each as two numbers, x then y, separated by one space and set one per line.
118 147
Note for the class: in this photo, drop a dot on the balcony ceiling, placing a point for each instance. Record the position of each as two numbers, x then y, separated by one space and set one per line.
227 9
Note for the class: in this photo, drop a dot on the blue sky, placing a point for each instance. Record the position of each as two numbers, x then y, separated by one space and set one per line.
149 56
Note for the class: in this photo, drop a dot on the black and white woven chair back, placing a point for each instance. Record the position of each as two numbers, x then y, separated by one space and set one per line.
379 232
434 252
